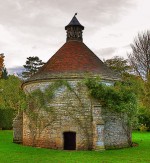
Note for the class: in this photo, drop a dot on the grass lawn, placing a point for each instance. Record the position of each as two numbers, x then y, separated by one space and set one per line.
14 153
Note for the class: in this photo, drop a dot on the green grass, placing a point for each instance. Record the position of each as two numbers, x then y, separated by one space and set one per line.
14 153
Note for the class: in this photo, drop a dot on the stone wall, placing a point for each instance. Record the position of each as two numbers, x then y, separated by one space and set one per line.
115 130
18 128
72 112
95 127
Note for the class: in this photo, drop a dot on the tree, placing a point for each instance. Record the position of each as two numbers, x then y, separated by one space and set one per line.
140 60
11 94
1 63
12 100
144 114
32 66
146 100
140 56
3 70
118 64
4 73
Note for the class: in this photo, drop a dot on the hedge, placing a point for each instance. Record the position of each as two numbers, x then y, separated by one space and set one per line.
6 118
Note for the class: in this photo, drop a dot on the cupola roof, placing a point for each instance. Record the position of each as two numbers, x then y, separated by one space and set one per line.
74 22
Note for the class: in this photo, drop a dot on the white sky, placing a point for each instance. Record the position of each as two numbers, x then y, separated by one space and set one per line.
36 27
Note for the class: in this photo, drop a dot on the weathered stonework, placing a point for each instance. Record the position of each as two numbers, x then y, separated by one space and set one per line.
18 128
116 131
96 128
69 116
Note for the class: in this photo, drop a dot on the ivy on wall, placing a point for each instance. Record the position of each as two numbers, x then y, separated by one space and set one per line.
119 97
41 113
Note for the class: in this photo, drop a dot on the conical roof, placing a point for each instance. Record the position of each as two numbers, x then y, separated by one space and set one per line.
73 59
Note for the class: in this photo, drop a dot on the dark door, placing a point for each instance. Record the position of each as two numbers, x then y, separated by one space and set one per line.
69 140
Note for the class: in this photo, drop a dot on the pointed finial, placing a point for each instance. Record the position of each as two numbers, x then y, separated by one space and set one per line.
75 14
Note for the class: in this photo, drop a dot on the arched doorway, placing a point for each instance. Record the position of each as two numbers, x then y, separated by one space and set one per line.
69 140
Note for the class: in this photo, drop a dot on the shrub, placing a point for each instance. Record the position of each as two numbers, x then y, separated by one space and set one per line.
143 127
6 118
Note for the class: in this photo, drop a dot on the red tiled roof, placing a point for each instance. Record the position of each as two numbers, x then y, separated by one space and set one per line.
73 57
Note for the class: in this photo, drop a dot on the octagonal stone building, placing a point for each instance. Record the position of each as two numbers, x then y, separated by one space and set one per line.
77 121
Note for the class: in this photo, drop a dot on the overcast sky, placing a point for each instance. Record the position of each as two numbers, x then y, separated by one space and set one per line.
36 27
